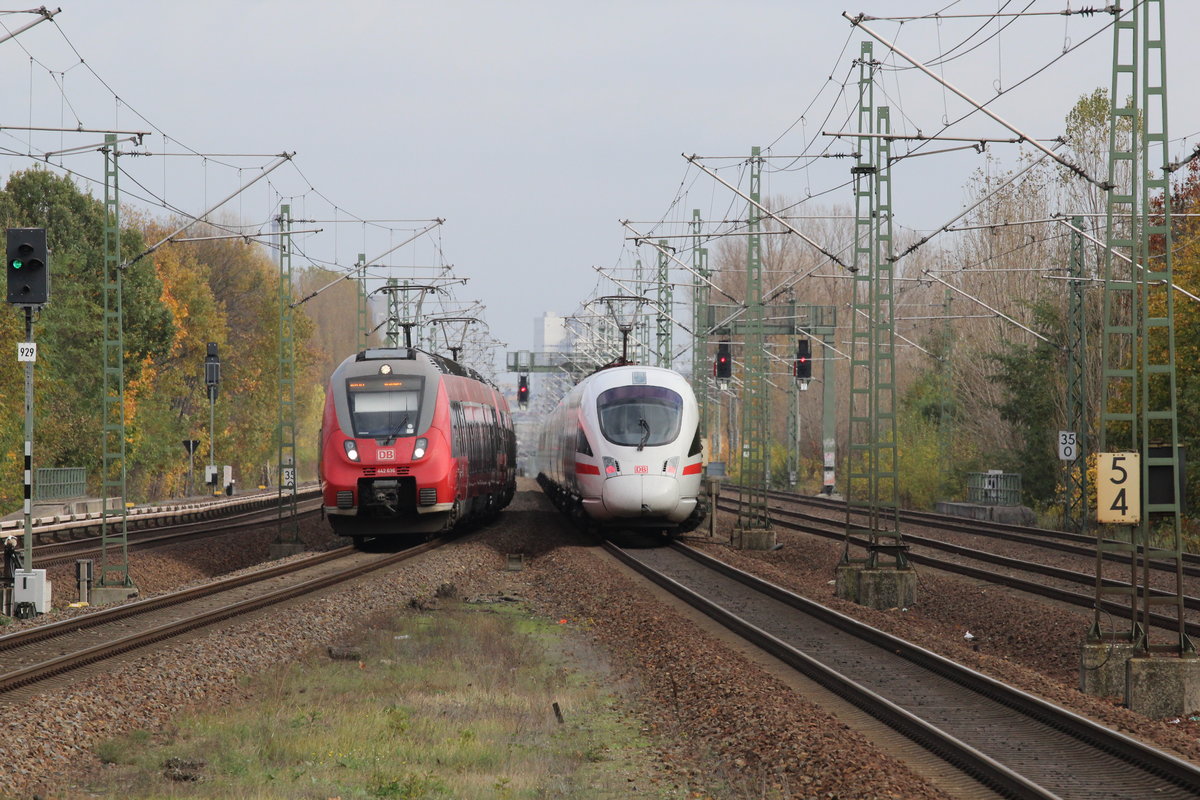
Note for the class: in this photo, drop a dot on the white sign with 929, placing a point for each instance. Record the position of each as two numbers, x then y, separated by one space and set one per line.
26 351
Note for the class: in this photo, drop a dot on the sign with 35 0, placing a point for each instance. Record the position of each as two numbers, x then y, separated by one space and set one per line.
1068 446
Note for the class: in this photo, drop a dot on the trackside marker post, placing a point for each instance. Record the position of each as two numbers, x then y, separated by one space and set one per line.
1119 488
28 277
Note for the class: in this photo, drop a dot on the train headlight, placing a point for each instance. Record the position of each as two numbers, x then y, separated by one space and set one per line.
671 466
351 449
611 466
419 448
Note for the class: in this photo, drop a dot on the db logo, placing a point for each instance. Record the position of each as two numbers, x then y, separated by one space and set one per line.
385 455
641 469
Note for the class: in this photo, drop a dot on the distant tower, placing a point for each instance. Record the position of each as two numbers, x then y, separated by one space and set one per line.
549 332
549 336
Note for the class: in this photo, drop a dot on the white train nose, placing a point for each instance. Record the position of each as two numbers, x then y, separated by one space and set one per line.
641 496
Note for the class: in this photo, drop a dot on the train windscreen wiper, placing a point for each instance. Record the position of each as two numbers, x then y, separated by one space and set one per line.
645 426
391 437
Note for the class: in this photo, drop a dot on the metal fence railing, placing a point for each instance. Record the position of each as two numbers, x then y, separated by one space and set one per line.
59 483
994 488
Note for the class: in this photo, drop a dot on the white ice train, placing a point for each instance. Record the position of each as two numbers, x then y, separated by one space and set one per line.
623 450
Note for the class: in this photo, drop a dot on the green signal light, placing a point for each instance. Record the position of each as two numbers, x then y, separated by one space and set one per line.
17 263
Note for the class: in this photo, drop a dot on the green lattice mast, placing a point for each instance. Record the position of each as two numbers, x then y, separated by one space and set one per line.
364 313
1138 350
873 462
701 366
289 526
114 543
665 303
1075 504
752 519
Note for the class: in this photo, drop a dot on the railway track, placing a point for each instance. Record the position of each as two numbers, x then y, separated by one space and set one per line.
1046 538
1013 742
34 655
55 553
1012 568
67 527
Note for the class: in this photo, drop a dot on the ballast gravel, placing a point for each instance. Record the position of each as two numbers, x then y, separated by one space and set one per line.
724 726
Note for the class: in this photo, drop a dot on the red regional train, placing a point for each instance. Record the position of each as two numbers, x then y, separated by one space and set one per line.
412 444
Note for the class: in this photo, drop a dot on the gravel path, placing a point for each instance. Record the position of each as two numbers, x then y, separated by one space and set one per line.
723 719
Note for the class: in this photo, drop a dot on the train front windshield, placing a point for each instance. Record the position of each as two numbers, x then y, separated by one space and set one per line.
384 406
640 416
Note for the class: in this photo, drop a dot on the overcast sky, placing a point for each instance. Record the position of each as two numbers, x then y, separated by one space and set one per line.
532 126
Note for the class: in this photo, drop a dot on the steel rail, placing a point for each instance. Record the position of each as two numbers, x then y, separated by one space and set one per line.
963 755
73 660
55 525
1058 573
1064 541
1043 537
105 615
54 553
1087 601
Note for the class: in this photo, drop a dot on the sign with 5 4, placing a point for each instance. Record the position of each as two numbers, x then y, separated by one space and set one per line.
1119 488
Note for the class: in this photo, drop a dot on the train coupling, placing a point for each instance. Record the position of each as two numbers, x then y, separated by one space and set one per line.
386 494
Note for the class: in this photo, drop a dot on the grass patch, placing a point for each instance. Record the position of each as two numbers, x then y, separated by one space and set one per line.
456 703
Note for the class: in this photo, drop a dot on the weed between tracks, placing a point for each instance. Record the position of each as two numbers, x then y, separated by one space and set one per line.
455 703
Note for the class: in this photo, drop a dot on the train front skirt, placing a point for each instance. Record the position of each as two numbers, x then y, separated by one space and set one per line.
630 498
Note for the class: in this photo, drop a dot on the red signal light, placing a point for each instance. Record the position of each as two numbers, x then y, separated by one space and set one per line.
803 365
723 367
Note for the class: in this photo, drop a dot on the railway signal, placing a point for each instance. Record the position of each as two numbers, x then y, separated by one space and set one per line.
802 368
28 271
212 379
723 367
212 370
523 391
28 267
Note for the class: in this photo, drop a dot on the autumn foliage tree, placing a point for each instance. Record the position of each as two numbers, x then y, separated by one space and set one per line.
227 291
1186 267
70 330
175 301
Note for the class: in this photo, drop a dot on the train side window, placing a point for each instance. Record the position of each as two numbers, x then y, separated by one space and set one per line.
581 443
697 444
456 429
477 459
491 435
475 452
